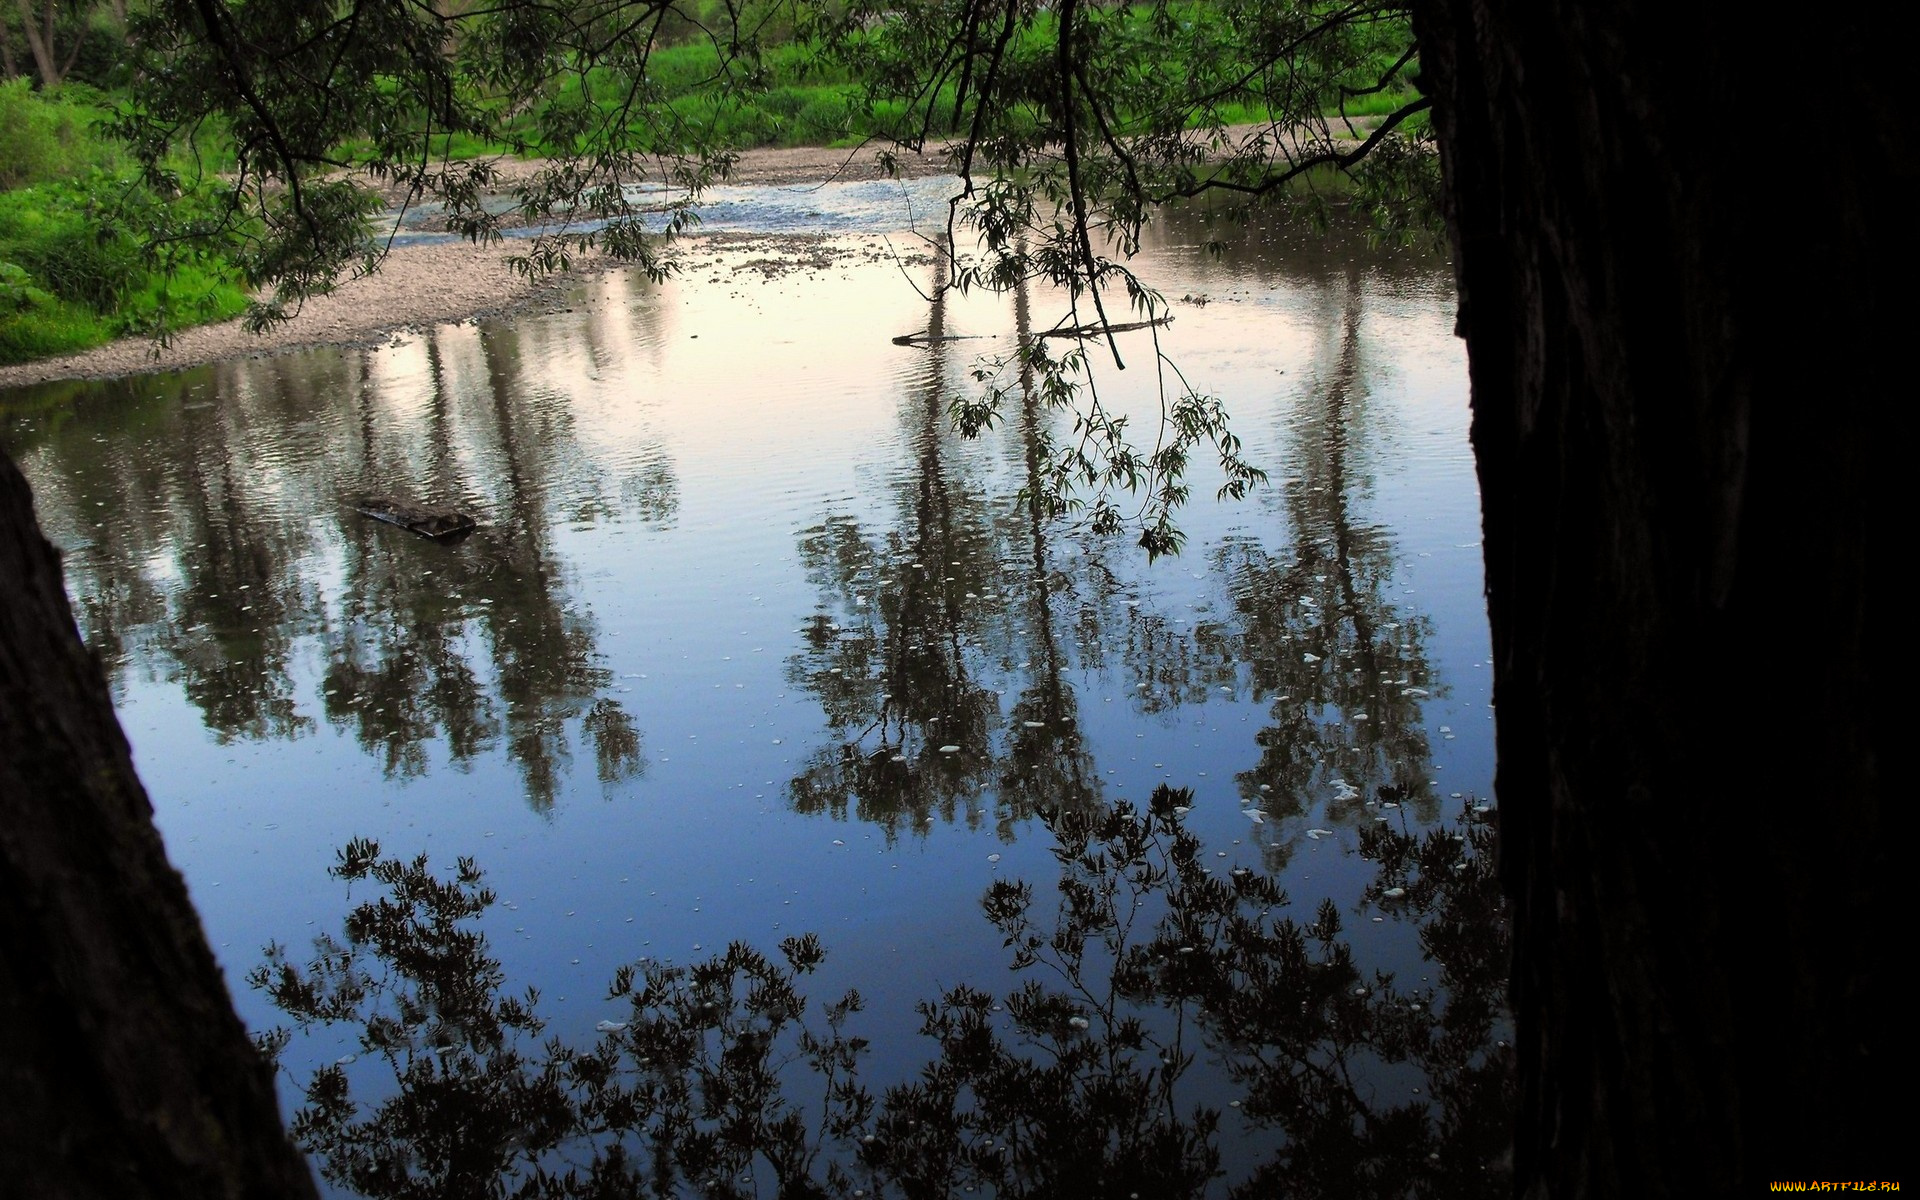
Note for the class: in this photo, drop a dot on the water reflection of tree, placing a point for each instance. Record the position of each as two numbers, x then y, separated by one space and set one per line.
1155 988
1313 631
928 611
401 655
1342 668
219 543
1048 767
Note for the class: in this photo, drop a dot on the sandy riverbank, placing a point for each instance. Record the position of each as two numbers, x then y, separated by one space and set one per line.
421 286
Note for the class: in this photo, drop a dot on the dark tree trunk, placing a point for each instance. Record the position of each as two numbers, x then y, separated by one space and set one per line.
1682 300
124 1073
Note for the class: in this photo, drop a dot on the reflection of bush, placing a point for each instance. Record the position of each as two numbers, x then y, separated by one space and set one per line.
1075 1084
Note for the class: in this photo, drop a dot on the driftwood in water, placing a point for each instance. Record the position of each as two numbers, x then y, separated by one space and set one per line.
1098 330
925 339
427 520
1080 331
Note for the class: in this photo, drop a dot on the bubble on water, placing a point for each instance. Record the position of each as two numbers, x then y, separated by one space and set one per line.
1309 658
611 1026
346 1060
949 749
838 842
1078 1022
993 858
1394 893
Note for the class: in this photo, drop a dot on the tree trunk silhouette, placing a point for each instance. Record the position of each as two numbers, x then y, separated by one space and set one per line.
1681 352
125 1072
41 41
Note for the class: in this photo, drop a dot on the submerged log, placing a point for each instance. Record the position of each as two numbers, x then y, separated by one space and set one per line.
428 520
928 339
1096 329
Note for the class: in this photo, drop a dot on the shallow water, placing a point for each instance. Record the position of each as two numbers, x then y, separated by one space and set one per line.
737 586
849 207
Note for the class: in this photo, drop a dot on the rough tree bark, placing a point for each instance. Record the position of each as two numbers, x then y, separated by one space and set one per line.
1680 301
124 1072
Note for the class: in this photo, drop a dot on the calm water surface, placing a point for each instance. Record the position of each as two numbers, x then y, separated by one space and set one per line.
737 588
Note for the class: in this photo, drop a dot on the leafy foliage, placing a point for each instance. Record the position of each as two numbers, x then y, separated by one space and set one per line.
1079 119
1071 123
317 100
47 137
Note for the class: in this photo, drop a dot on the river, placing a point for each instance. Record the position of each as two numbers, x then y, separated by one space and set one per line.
750 644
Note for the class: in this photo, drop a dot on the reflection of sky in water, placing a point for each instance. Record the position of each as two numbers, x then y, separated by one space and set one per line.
736 587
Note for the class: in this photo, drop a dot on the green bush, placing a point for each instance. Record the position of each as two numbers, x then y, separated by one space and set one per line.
34 323
75 269
78 258
824 119
44 138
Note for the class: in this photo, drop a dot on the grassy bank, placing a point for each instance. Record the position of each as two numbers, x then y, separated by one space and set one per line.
799 94
79 263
